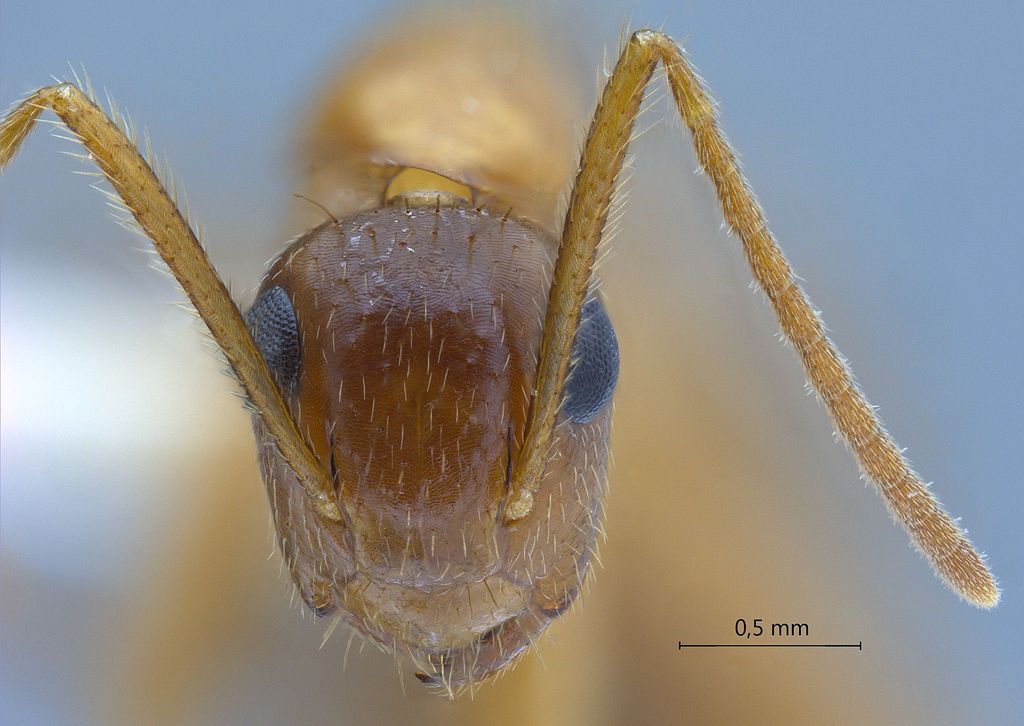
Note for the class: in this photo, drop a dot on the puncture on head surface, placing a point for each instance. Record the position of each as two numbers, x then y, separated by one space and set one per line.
431 395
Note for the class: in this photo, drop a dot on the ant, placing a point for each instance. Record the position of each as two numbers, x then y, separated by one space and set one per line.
431 375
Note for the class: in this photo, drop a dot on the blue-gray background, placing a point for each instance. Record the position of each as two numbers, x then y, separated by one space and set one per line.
885 140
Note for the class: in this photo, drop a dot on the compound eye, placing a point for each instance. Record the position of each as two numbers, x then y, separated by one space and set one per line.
594 369
271 320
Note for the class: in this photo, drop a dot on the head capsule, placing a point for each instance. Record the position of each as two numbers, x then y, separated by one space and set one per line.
405 339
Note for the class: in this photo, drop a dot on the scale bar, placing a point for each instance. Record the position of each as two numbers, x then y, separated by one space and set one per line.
858 645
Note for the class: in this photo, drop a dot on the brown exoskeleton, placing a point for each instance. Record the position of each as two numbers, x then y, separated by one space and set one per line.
431 373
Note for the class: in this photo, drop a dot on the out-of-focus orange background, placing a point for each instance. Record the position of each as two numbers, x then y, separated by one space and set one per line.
138 580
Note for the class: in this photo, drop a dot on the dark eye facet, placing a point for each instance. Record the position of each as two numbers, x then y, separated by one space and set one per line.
271 320
595 367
